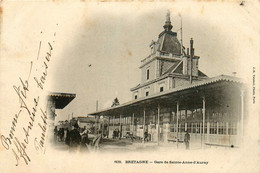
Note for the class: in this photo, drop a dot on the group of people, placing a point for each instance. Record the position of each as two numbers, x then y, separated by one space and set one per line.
76 137
117 134
79 137
60 134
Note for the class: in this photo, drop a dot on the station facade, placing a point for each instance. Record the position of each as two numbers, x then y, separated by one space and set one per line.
174 96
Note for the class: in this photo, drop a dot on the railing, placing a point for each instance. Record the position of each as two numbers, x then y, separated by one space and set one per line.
160 54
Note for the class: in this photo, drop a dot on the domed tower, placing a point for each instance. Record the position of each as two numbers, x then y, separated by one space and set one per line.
167 66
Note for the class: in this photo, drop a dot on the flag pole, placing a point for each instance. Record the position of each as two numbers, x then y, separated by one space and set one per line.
181 36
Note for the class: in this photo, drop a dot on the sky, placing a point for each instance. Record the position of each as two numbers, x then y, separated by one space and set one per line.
115 37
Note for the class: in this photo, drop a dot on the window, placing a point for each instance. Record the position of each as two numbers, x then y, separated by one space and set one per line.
174 128
232 129
161 86
183 116
205 128
182 127
189 127
147 74
198 128
194 127
136 96
147 93
222 128
189 113
171 127
213 128
161 89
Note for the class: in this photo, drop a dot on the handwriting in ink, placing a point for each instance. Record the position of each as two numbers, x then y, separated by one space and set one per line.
40 144
18 147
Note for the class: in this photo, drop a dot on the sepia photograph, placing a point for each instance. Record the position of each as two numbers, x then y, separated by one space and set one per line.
129 86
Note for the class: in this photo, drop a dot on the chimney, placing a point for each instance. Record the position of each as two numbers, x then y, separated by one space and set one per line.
191 47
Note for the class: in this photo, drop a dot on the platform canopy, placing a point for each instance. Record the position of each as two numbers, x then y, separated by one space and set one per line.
61 100
189 96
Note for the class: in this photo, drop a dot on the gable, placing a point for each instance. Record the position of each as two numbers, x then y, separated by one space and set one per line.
168 66
165 65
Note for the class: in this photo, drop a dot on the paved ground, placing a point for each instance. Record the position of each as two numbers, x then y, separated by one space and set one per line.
126 145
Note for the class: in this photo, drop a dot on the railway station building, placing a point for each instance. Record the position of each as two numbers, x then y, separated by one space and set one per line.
174 96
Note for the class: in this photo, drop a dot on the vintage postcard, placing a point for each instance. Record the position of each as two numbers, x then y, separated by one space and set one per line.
129 86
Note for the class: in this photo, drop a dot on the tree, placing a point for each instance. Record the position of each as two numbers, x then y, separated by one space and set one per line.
116 102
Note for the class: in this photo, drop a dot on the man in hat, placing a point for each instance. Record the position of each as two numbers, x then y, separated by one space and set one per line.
187 140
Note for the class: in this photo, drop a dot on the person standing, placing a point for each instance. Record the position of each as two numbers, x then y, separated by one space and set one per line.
96 140
84 137
114 134
187 140
75 137
65 133
120 134
55 133
146 136
67 139
62 134
59 135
